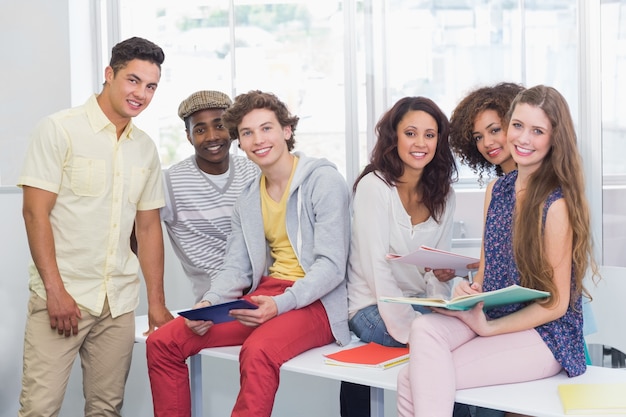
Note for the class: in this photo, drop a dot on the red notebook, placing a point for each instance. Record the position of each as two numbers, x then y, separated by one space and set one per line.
371 355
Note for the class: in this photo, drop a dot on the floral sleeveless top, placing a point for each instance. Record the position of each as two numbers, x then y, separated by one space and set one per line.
564 336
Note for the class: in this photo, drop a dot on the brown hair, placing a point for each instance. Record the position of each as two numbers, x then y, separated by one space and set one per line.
438 175
497 98
135 48
256 99
561 167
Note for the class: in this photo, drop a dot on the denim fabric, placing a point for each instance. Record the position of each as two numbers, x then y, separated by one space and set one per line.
369 326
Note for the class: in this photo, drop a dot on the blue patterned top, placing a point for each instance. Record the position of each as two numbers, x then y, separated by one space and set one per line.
563 336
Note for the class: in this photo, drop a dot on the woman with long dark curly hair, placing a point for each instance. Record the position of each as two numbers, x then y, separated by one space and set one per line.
403 199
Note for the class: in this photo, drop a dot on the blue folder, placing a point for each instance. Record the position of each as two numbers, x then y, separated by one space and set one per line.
217 313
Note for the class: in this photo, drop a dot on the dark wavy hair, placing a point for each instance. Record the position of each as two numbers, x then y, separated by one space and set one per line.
385 162
256 99
497 98
135 48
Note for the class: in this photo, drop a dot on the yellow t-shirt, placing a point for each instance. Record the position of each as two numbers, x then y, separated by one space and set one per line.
100 183
286 264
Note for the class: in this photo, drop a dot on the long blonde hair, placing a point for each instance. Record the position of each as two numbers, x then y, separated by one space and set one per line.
561 167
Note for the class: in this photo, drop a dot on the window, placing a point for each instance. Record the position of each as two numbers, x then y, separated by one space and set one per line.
336 61
613 32
293 49
443 49
439 49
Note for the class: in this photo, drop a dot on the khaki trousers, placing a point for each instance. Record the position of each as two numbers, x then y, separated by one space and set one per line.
105 347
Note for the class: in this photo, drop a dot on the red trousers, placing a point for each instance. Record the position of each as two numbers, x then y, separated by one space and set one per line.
264 349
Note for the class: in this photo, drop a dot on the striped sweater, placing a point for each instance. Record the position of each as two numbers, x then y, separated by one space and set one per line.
197 216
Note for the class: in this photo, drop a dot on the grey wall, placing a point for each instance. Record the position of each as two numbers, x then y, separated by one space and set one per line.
13 296
35 69
35 72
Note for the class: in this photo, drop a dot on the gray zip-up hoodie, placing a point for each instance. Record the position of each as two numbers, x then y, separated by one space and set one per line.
318 227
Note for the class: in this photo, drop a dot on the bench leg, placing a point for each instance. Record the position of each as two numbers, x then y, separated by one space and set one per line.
195 376
377 402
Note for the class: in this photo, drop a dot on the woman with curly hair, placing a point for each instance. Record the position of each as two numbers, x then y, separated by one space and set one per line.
477 132
478 138
402 199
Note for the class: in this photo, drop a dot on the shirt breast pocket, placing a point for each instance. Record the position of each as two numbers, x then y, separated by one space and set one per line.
88 177
138 181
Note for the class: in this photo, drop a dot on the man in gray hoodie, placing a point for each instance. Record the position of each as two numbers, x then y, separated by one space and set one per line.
287 254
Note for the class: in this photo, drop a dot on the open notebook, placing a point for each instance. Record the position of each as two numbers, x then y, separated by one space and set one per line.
508 295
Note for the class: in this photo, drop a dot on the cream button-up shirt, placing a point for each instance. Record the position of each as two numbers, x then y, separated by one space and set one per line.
100 183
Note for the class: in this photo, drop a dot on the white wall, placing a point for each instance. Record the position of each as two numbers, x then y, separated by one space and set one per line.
13 296
35 70
34 66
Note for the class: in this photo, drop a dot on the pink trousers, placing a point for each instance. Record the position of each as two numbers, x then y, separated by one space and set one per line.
447 355
264 349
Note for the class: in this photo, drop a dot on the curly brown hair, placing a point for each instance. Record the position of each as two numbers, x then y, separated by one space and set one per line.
497 98
256 99
438 175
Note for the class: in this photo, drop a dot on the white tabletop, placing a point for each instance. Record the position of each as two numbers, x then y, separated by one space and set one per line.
540 396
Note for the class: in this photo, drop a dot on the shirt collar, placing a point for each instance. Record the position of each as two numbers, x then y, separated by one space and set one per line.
99 121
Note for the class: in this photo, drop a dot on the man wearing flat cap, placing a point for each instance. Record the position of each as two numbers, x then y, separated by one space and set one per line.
201 190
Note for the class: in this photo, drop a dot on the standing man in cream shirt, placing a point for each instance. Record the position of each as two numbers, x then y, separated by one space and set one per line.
88 176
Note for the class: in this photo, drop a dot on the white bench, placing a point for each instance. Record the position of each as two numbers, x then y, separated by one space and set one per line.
535 398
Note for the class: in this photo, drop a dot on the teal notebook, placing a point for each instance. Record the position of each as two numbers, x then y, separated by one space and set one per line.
509 295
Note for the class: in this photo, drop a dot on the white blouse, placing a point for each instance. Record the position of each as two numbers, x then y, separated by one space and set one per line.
381 225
